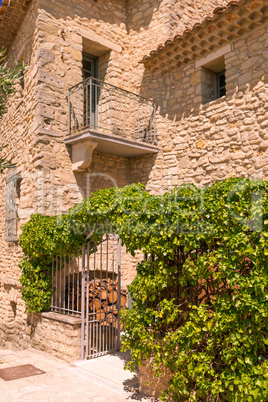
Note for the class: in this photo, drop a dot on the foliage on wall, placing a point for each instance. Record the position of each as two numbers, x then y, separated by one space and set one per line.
201 300
8 77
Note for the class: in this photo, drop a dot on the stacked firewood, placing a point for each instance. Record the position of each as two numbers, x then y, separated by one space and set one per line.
102 299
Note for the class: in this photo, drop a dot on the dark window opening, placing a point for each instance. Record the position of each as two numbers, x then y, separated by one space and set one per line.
221 84
90 90
89 66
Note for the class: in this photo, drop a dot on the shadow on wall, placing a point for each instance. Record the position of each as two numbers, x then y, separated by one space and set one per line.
140 168
174 105
134 14
178 14
110 171
68 10
140 14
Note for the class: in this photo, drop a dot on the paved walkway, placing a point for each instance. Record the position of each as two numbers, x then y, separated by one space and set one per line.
98 380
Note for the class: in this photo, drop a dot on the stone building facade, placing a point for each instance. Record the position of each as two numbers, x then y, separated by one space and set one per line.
201 137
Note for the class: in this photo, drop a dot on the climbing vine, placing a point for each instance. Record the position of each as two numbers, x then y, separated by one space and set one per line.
201 293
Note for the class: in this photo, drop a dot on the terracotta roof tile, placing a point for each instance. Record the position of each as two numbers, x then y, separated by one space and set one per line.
210 25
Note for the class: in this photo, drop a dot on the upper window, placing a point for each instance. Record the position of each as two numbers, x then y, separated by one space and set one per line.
213 83
213 78
89 66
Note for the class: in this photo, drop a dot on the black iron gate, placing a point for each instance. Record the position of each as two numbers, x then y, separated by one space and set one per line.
101 290
89 285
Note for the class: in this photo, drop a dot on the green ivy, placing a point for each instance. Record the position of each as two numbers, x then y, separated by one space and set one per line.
201 293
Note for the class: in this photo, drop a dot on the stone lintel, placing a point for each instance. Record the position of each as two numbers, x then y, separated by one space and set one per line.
96 44
212 57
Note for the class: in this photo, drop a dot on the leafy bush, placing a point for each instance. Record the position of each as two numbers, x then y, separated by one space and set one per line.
7 79
201 300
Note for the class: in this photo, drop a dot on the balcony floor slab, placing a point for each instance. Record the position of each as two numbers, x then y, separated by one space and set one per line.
113 144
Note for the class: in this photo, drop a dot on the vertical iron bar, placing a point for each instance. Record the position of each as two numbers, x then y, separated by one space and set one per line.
90 102
120 113
125 114
73 111
60 281
83 304
56 274
142 122
119 290
100 296
111 92
96 106
147 124
129 117
94 308
69 283
73 286
138 120
134 118
87 304
77 282
64 281
112 328
115 112
154 123
79 113
75 98
106 109
87 120
69 113
105 347
100 96
83 107
52 291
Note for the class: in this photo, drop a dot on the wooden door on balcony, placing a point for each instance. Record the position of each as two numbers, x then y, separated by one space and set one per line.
90 95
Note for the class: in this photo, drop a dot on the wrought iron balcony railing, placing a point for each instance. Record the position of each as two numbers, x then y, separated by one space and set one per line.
97 105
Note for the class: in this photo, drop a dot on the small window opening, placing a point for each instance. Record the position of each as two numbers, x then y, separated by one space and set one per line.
213 80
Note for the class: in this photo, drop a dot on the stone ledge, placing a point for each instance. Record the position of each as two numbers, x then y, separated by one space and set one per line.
13 282
61 317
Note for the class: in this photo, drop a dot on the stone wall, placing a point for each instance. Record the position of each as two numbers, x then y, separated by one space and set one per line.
205 142
56 334
16 130
198 142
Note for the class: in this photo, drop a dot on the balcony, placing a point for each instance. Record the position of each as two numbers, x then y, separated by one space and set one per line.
108 119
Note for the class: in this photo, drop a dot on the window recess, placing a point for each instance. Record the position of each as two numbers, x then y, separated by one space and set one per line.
213 76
